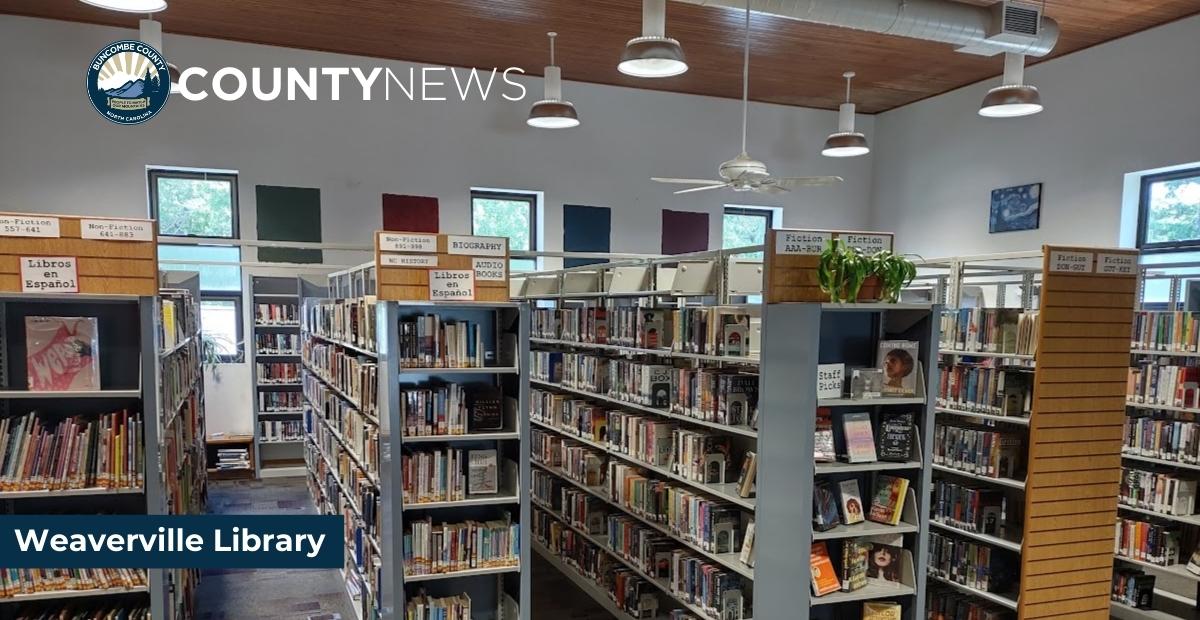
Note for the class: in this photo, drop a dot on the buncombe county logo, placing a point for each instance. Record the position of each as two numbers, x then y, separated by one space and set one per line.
128 82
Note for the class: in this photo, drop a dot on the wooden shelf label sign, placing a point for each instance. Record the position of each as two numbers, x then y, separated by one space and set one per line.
793 256
29 226
49 274
1116 264
437 267
1064 261
78 254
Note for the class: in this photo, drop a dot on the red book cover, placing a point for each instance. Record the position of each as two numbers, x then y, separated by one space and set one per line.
62 353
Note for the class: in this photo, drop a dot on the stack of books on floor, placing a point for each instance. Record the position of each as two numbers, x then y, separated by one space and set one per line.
233 458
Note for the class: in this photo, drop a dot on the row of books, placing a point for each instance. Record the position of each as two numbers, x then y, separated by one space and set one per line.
970 508
425 607
278 373
986 389
328 484
348 320
943 603
709 331
975 565
448 475
17 581
83 610
431 341
693 455
354 375
179 372
876 559
1164 493
990 330
1155 383
280 430
179 317
1133 588
841 503
233 459
629 591
722 396
979 450
280 401
1148 542
451 409
431 549
1165 331
359 438
352 426
861 442
268 343
276 314
74 453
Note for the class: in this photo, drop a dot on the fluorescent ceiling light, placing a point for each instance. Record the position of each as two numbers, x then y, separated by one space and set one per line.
846 142
654 54
1014 98
129 6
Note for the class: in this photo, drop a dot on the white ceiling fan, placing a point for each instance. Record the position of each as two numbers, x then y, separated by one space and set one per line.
743 174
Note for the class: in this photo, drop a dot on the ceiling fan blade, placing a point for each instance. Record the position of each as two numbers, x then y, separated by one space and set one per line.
770 188
790 182
701 189
687 181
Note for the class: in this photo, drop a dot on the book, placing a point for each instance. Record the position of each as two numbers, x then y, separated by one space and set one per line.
823 450
747 553
62 353
887 503
895 437
745 483
884 563
874 610
1193 564
482 472
825 507
866 383
860 439
855 558
824 579
852 506
898 361
486 404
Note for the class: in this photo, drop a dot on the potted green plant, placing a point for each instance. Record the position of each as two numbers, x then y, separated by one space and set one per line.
842 270
894 271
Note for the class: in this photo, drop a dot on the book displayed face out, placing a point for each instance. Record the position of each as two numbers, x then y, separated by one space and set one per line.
899 362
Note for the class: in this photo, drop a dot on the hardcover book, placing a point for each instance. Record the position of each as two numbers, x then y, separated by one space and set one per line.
825 508
884 563
747 553
486 404
860 440
866 383
887 503
873 610
482 472
824 579
745 483
62 353
661 385
855 558
898 361
895 437
852 506
823 450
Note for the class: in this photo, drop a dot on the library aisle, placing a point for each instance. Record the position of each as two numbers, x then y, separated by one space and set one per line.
262 594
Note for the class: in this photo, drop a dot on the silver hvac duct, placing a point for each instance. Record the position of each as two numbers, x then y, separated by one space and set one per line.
974 29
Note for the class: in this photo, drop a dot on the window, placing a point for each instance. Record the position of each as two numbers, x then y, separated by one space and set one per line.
1169 212
507 214
203 204
743 226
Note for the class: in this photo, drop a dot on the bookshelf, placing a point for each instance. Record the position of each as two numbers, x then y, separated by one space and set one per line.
184 452
275 362
355 379
126 398
785 364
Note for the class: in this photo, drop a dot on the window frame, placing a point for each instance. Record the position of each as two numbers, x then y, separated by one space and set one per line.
1147 181
239 343
531 199
766 213
154 174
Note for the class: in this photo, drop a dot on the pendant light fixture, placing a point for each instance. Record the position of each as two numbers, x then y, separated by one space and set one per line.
129 6
552 112
1014 97
846 142
654 54
150 33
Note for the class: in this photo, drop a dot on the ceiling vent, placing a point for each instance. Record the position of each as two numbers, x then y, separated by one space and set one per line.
1020 20
1013 23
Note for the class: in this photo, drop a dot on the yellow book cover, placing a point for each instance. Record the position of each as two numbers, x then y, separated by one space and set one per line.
881 611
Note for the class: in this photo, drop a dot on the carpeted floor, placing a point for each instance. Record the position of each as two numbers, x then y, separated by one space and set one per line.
268 594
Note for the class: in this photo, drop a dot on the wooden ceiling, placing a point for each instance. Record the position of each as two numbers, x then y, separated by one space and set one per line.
792 62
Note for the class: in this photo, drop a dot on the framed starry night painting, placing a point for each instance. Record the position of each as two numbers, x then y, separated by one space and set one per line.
1016 208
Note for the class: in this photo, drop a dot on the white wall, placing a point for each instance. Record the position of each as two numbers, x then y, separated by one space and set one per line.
1124 106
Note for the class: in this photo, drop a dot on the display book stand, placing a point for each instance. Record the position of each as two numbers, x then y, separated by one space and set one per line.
777 585
1171 595
496 593
185 461
1074 434
118 281
278 456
